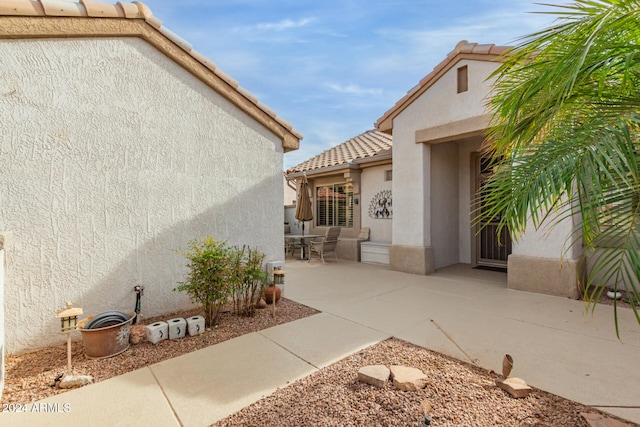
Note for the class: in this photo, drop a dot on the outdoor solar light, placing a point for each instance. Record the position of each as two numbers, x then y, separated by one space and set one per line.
68 323
278 285
278 277
69 317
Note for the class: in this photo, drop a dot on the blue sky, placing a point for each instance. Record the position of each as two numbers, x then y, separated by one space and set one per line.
333 67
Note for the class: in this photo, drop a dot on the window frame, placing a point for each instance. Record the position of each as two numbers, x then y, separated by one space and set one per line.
332 206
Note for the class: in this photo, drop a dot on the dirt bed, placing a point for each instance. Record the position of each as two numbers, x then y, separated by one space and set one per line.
459 394
29 376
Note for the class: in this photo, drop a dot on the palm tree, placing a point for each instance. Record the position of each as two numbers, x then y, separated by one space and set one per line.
565 138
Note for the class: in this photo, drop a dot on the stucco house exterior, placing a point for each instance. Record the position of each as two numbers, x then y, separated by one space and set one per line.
120 144
351 188
438 129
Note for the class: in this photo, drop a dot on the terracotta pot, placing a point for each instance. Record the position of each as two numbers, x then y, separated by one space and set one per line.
268 294
108 341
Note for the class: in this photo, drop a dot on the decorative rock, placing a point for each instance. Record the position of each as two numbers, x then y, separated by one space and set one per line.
137 334
598 420
195 325
516 387
262 303
425 405
73 381
408 379
377 375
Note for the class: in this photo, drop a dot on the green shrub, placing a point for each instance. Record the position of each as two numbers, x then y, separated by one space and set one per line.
211 275
249 281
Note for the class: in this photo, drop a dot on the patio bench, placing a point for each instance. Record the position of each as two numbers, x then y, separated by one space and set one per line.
375 253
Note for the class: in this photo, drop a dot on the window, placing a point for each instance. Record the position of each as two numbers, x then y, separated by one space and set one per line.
463 79
388 175
334 205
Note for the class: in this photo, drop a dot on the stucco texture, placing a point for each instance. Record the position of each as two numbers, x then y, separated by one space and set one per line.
113 157
372 183
431 189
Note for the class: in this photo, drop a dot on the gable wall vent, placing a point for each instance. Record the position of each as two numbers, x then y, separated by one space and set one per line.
463 79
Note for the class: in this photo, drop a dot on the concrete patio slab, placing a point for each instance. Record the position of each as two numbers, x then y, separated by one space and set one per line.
132 399
471 315
210 384
323 339
389 317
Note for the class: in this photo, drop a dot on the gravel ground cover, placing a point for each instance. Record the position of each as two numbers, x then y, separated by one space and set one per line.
29 376
460 395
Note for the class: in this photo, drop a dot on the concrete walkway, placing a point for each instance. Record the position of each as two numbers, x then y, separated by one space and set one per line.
465 313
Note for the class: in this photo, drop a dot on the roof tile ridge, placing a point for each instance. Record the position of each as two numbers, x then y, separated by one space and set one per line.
130 10
96 9
21 8
203 60
483 48
182 43
266 109
62 8
148 15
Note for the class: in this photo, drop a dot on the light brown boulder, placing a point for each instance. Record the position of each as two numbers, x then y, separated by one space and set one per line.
137 334
598 420
425 405
377 375
408 379
73 381
516 387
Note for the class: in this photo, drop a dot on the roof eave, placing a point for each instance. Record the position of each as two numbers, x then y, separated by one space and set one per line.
323 171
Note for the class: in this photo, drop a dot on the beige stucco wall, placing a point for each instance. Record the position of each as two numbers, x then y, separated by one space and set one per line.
372 182
445 204
2 272
412 186
548 241
113 156
289 193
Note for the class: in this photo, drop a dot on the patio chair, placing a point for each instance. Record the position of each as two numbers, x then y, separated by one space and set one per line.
326 244
289 248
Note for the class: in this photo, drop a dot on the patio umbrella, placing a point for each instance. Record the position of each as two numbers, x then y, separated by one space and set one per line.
303 207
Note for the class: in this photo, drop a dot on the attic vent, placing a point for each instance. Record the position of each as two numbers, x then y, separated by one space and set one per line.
388 175
463 79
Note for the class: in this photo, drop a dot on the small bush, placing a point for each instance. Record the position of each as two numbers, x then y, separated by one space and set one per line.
218 273
250 277
211 275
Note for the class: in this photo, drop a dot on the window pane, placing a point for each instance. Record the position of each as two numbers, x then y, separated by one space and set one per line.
335 205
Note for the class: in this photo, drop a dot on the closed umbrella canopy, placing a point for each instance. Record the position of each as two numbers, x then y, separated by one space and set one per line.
303 207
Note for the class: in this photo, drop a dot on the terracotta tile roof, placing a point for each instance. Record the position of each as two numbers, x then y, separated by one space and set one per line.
463 50
367 144
125 11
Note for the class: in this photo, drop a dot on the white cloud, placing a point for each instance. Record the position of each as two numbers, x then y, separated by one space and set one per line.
282 25
354 89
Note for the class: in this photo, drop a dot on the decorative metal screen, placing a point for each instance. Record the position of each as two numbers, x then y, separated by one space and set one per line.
381 206
491 249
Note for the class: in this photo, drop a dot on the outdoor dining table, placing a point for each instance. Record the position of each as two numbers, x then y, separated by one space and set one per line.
301 238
